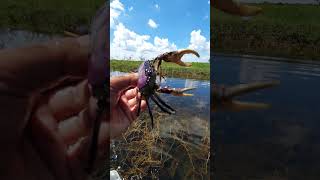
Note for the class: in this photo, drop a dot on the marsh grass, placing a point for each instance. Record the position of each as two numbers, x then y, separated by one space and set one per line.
200 71
282 30
47 16
165 152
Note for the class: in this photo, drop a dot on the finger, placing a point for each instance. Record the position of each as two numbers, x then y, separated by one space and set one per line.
120 83
79 125
78 152
131 93
69 101
75 127
44 62
134 109
124 106
48 142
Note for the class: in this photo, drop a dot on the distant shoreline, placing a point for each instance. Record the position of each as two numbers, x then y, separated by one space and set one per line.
265 58
199 71
285 31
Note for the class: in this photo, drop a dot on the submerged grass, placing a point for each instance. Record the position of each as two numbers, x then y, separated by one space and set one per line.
198 70
145 153
282 30
47 16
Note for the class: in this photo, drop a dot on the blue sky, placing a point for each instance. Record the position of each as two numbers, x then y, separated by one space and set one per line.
143 29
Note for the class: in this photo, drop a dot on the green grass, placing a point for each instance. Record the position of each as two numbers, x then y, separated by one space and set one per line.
47 16
199 71
281 30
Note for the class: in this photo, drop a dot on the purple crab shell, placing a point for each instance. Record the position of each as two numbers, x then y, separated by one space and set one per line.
147 76
98 64
142 79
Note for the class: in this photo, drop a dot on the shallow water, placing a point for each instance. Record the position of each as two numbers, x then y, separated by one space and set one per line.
281 142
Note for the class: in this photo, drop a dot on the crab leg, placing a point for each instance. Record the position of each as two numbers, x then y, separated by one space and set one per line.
176 91
160 106
162 102
139 107
150 112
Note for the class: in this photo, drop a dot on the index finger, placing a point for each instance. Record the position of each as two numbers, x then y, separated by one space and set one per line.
27 69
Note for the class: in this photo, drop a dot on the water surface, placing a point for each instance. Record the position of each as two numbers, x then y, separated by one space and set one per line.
281 142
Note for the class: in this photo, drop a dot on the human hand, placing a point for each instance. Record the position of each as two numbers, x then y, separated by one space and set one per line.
45 126
124 102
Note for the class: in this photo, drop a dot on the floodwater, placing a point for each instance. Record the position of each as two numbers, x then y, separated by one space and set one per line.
282 142
192 118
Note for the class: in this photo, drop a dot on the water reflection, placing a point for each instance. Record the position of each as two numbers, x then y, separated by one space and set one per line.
281 142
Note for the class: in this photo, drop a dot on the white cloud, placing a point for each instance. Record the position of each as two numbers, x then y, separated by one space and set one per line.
209 2
152 24
130 8
116 8
157 6
129 45
199 43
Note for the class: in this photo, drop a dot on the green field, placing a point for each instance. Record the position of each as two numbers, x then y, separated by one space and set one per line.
199 71
281 30
47 16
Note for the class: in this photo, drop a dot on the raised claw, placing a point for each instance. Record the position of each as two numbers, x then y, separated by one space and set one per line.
223 97
234 7
175 56
176 91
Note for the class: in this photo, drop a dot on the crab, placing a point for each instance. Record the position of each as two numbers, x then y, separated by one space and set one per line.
147 80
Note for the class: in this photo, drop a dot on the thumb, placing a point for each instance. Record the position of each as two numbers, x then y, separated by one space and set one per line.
121 83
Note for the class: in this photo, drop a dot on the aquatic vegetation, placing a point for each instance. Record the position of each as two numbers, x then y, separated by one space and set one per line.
174 153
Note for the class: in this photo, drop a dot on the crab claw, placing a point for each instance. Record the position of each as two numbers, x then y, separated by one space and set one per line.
176 56
235 8
223 97
176 91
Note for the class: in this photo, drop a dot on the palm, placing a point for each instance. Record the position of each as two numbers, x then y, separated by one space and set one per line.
124 106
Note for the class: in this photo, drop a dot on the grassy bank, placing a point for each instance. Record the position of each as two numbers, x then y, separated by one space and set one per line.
199 71
290 31
48 16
